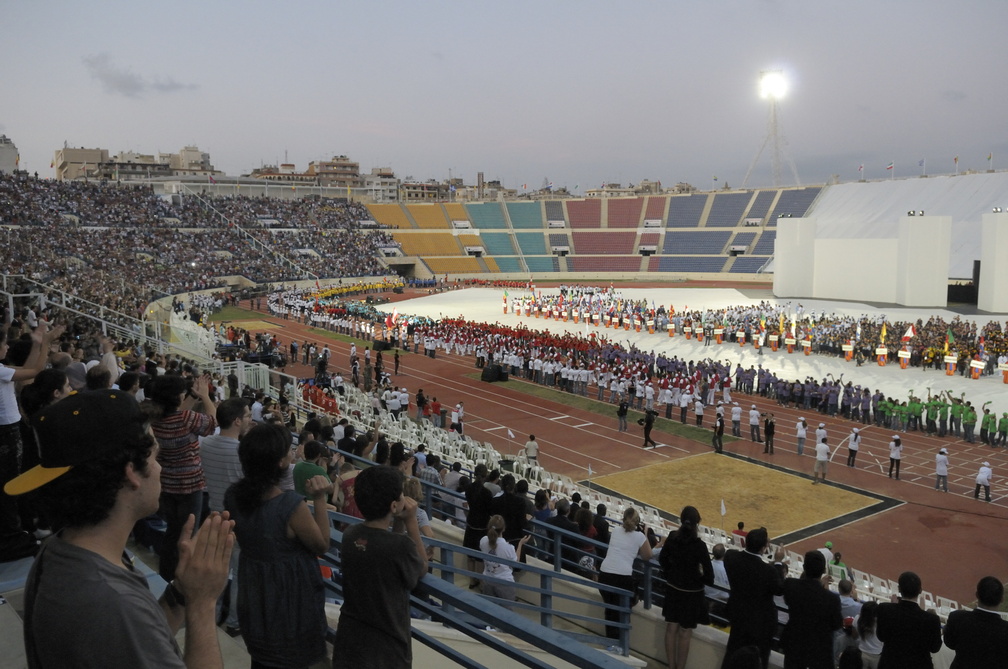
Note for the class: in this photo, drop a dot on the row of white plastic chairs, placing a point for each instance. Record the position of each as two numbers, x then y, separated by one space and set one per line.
453 447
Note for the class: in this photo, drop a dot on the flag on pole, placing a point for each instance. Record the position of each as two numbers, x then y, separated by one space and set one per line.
956 160
883 335
890 165
210 178
860 168
724 511
510 434
949 340
590 472
909 334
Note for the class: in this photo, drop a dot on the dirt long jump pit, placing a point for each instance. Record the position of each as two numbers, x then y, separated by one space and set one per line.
786 503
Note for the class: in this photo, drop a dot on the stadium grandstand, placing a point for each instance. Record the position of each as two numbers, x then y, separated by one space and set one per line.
138 265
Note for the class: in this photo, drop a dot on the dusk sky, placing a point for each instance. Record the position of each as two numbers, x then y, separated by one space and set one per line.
579 93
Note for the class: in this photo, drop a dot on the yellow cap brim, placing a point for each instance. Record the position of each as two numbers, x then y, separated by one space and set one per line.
35 477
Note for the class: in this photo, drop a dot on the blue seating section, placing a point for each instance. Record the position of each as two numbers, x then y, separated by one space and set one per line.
795 202
542 263
727 210
762 204
685 210
745 238
765 245
554 210
705 264
747 264
525 215
509 263
497 243
531 243
486 215
695 242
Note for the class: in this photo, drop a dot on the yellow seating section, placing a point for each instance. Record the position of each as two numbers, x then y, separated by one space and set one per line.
466 265
391 215
428 244
428 216
470 240
456 212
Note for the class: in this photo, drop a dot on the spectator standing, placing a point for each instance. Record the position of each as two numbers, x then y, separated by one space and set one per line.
909 634
96 487
686 566
281 597
813 616
751 610
380 568
627 543
177 429
979 637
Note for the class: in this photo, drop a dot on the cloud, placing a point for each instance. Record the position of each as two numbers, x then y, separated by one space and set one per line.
120 81
953 96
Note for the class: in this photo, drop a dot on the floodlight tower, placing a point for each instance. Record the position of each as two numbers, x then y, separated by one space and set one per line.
773 87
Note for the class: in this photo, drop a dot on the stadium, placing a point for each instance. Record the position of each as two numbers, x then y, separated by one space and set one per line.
504 264
478 336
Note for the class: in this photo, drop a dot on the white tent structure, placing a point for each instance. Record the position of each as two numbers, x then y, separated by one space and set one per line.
893 241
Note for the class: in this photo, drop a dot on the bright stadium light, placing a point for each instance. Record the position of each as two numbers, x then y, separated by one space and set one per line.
772 84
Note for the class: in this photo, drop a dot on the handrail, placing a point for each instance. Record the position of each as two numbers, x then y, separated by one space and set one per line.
564 645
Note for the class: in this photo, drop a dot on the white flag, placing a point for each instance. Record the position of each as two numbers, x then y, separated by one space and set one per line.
510 434
589 470
724 511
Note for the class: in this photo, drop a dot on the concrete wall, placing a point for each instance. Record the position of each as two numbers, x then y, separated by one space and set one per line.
922 261
794 257
855 269
993 293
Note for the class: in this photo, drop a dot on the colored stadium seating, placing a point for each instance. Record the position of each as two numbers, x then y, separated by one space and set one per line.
743 239
761 205
428 216
625 212
498 243
614 243
581 263
794 202
531 243
554 211
428 244
765 245
585 213
542 263
705 264
391 215
685 210
511 264
680 242
747 264
486 216
525 215
727 209
655 209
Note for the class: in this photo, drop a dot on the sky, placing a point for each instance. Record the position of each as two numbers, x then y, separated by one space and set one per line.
576 93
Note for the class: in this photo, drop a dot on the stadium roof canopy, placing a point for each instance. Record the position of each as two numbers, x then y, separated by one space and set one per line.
873 210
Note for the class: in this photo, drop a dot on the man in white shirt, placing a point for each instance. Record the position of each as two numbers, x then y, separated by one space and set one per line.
941 470
822 454
754 425
983 479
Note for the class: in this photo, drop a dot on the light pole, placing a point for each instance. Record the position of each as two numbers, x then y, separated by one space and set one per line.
773 87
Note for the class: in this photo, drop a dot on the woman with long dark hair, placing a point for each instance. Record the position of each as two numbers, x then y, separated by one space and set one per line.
281 598
687 568
868 642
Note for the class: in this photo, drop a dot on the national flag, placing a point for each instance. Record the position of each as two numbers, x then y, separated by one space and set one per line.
524 186
890 166
505 293
210 177
52 164
860 167
510 434
17 161
452 188
990 156
909 334
715 178
883 335
956 160
920 163
982 348
949 340
551 185
724 511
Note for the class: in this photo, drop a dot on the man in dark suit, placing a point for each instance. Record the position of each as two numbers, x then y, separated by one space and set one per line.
910 634
813 616
563 522
751 610
979 637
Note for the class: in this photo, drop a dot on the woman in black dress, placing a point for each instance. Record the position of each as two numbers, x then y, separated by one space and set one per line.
686 565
